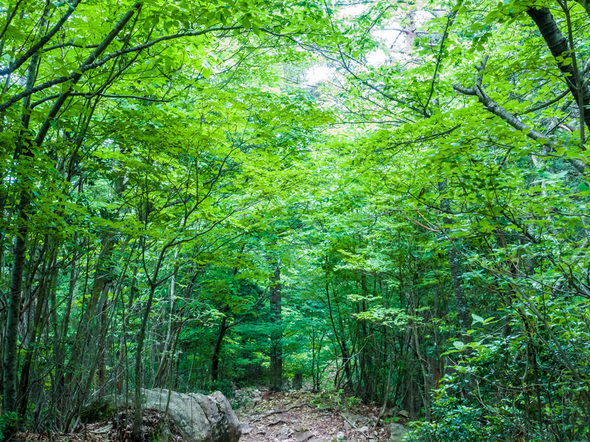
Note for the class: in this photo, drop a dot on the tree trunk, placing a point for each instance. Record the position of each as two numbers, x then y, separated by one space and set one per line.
455 266
46 289
59 347
139 366
90 322
13 309
559 48
276 338
160 379
217 349
23 151
341 342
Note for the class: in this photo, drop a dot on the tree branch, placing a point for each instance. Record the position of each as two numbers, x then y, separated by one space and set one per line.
546 104
89 66
18 63
75 76
91 95
507 116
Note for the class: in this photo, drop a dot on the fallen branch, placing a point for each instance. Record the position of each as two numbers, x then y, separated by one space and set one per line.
353 426
270 413
277 422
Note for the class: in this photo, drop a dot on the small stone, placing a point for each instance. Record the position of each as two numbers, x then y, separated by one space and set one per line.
246 428
302 437
284 433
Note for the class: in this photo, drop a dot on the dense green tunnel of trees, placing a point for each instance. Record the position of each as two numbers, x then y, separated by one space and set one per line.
384 198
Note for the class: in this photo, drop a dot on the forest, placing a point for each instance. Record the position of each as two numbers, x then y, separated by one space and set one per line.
381 199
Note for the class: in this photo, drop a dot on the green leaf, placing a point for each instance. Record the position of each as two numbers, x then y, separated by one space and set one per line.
477 318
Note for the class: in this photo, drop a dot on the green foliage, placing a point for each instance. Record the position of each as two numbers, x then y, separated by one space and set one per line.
455 420
428 212
477 399
8 422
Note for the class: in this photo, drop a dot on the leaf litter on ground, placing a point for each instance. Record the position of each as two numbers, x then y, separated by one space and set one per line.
303 416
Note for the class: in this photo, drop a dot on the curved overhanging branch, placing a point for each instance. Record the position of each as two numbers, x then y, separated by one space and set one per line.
510 118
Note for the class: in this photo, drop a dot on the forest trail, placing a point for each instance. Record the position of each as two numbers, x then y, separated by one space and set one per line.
306 417
288 416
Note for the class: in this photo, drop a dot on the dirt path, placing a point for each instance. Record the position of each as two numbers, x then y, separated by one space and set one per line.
293 416
304 417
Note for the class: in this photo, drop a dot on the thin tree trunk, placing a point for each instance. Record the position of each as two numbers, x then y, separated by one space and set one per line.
139 366
153 284
217 349
387 390
160 378
276 338
455 265
59 344
44 291
341 342
23 151
83 342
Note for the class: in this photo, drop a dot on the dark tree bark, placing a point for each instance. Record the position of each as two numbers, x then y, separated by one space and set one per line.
455 267
88 325
276 338
44 291
139 365
223 328
154 283
217 349
24 153
13 309
341 341
59 346
560 50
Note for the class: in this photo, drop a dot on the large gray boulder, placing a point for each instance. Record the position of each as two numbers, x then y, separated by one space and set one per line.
199 417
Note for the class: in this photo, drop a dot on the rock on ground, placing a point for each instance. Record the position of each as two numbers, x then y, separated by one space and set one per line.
199 417
397 432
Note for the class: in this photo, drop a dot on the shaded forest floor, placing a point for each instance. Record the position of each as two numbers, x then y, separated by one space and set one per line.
290 416
306 417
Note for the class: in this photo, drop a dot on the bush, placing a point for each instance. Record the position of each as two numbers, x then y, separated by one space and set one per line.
510 388
98 410
8 423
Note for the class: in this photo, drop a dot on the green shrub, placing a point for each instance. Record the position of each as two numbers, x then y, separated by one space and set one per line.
8 420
